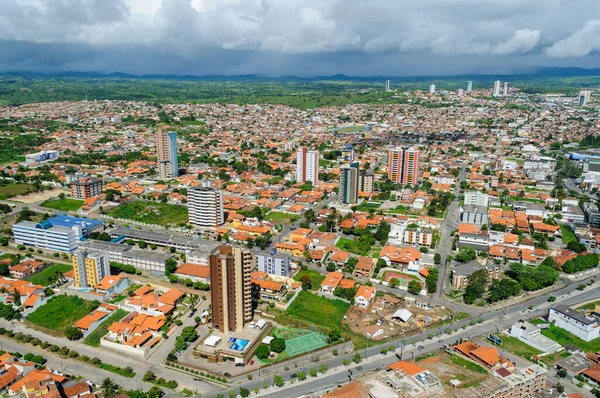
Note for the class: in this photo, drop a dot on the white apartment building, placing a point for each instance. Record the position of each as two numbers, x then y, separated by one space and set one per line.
574 322
273 263
477 198
307 166
205 207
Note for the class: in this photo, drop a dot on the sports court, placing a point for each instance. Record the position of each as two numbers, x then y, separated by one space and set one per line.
308 342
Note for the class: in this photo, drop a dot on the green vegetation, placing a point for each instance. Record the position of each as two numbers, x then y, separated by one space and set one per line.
66 204
151 213
567 234
318 310
365 206
465 363
360 246
280 217
315 277
44 277
93 338
581 263
517 347
563 338
61 311
11 190
590 306
15 146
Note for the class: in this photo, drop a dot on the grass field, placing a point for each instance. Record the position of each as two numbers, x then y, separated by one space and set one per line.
280 217
93 338
563 338
63 204
351 246
318 310
590 306
365 206
41 278
517 347
151 213
472 366
10 190
567 234
61 311
315 277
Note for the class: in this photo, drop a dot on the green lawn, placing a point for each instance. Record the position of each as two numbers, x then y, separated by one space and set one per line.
315 276
351 246
472 366
318 310
10 190
567 234
93 338
118 299
590 306
365 206
563 338
63 204
41 278
61 311
280 217
517 347
151 213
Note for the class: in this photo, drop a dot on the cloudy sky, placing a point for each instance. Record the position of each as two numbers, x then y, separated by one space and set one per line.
301 37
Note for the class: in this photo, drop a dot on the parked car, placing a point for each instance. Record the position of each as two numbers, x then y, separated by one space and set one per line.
226 374
293 375
420 348
302 369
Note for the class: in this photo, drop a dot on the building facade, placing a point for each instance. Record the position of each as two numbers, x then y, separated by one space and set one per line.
40 157
584 97
89 267
477 215
152 262
574 322
348 153
273 263
166 152
205 207
307 163
349 181
231 288
403 165
86 188
496 90
477 198
418 236
366 181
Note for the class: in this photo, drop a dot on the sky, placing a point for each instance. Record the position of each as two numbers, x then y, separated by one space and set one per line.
299 37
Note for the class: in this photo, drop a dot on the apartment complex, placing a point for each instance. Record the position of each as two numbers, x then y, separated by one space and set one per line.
462 272
166 152
86 188
307 166
205 207
231 288
477 198
403 165
349 183
273 263
153 262
60 233
90 267
418 236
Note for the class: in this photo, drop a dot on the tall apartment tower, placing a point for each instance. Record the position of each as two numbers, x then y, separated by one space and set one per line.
166 152
505 89
89 267
366 181
387 85
307 163
348 189
403 165
469 86
431 88
86 188
496 90
231 288
205 207
584 97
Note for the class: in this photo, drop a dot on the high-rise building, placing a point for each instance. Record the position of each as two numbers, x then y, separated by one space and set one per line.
584 97
86 188
307 163
469 86
231 288
273 263
166 150
431 88
205 207
496 90
366 181
460 92
403 165
505 89
348 189
348 153
387 85
89 267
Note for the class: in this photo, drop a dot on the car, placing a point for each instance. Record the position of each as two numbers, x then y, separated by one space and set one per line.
197 379
293 375
240 365
252 362
359 368
226 374
220 372
420 348
302 369
379 369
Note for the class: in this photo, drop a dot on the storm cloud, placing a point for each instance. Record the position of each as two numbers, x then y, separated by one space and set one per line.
303 37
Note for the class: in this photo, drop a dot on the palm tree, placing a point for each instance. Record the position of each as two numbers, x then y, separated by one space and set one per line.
109 388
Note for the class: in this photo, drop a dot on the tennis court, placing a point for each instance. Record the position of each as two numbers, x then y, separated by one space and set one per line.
306 343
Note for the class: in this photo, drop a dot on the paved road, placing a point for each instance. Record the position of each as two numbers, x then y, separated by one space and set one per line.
571 184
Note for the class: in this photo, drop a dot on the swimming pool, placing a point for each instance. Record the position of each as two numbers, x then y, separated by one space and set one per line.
238 344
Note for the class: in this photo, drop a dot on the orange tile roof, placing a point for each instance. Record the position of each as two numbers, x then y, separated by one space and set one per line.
37 375
88 320
350 390
365 291
409 368
171 297
197 270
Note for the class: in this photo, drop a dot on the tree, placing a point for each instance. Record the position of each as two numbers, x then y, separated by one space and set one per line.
414 287
334 335
432 280
278 345
278 381
394 282
142 244
331 267
244 392
149 376
189 333
73 333
437 258
306 282
171 265
576 246
562 373
560 388
309 215
323 368
313 372
262 352
301 375
109 388
465 255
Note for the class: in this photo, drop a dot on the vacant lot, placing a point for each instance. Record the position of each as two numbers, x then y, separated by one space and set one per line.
280 217
448 367
353 246
93 338
567 234
517 347
365 206
563 338
151 213
11 190
63 204
318 310
40 196
314 276
41 278
61 311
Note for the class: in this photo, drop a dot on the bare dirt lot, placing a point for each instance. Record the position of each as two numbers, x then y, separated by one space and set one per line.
442 366
39 196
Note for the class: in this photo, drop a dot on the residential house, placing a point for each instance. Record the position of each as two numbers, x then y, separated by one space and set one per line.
364 295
